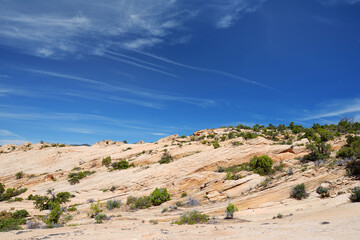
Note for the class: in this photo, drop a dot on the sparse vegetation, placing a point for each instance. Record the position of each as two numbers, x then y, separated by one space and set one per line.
74 178
10 192
111 204
323 192
184 194
159 196
230 210
166 158
95 209
100 217
156 198
261 165
193 217
12 221
299 192
106 161
216 144
122 164
353 167
19 175
355 194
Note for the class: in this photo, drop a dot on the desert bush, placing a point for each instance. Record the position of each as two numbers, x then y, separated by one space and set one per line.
353 167
111 204
142 202
19 175
323 192
95 209
166 158
123 164
46 203
159 196
10 192
184 194
230 210
249 135
355 195
8 222
261 165
20 214
100 217
192 202
351 150
299 192
130 200
236 143
232 176
54 215
216 144
178 204
106 161
72 209
74 178
192 217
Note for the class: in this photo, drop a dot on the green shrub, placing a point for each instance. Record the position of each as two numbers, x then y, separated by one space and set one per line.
249 135
130 200
192 217
142 202
8 223
72 209
2 188
299 192
159 196
216 144
184 194
230 210
20 214
261 165
45 202
106 161
100 217
323 192
237 143
10 192
95 209
19 175
355 195
232 176
351 149
111 204
74 178
353 167
123 164
166 158
54 215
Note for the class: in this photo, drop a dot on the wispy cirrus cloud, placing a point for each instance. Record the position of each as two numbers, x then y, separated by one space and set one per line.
135 91
53 30
335 2
336 108
226 74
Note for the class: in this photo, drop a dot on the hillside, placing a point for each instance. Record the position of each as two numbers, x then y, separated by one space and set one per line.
199 169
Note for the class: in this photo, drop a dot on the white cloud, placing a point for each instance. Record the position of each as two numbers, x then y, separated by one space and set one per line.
63 27
336 108
7 133
335 2
139 92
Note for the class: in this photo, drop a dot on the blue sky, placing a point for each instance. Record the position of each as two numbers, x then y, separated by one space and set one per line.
85 71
